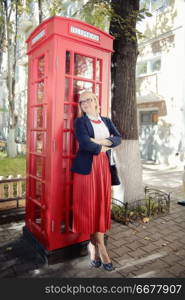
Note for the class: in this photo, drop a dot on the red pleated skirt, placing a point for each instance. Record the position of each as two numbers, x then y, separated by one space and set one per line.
92 198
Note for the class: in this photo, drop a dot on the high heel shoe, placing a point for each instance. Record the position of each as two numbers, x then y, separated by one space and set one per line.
95 263
108 266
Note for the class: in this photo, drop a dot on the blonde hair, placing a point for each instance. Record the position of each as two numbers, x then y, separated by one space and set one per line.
88 95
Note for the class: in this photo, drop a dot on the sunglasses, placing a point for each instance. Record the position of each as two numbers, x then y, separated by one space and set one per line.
86 101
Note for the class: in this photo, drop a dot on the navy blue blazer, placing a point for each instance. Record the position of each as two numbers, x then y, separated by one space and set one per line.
82 163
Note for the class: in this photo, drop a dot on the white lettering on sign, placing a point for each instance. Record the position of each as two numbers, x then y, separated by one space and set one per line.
85 33
38 36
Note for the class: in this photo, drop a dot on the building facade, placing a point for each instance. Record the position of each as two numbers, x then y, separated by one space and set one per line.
160 77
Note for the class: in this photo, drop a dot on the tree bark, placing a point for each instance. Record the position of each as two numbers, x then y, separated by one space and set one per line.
2 35
11 67
11 145
124 109
40 11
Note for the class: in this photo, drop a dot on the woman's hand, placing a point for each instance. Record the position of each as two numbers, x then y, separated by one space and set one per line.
104 149
103 142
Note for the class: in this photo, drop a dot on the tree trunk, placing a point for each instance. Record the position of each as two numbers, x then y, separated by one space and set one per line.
11 68
11 145
40 11
2 35
124 110
130 170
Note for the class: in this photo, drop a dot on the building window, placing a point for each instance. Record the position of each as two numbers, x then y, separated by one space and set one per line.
148 117
155 65
141 68
148 67
153 5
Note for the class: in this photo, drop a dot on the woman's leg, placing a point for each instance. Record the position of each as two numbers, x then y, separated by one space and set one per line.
101 247
92 247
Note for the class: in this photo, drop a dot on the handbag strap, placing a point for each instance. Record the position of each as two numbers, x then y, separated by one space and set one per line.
112 160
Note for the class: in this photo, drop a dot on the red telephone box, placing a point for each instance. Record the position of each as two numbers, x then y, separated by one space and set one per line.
66 56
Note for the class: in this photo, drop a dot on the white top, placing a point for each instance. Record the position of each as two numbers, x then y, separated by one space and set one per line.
100 130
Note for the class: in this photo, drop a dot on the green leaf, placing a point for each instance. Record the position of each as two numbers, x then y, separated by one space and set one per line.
141 16
148 14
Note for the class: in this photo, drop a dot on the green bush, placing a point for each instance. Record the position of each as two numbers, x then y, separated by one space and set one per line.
138 210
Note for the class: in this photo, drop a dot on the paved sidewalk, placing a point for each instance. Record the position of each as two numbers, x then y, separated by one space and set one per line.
150 250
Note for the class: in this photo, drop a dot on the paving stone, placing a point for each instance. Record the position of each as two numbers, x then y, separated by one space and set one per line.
131 239
135 245
165 232
142 234
177 269
161 242
113 254
172 237
123 260
150 248
156 236
111 246
119 236
181 252
171 259
119 243
130 275
182 227
175 245
121 250
146 242
152 229
116 230
167 249
182 262
127 270
180 235
137 253
164 274
145 273
158 264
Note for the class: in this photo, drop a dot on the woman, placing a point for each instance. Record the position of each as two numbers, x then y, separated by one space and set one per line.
92 179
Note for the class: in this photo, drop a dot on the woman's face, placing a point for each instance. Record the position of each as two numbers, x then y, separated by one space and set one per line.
88 106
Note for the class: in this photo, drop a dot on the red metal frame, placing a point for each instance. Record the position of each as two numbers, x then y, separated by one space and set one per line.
52 107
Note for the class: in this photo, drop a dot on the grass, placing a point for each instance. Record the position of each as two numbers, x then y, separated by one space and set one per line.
12 166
